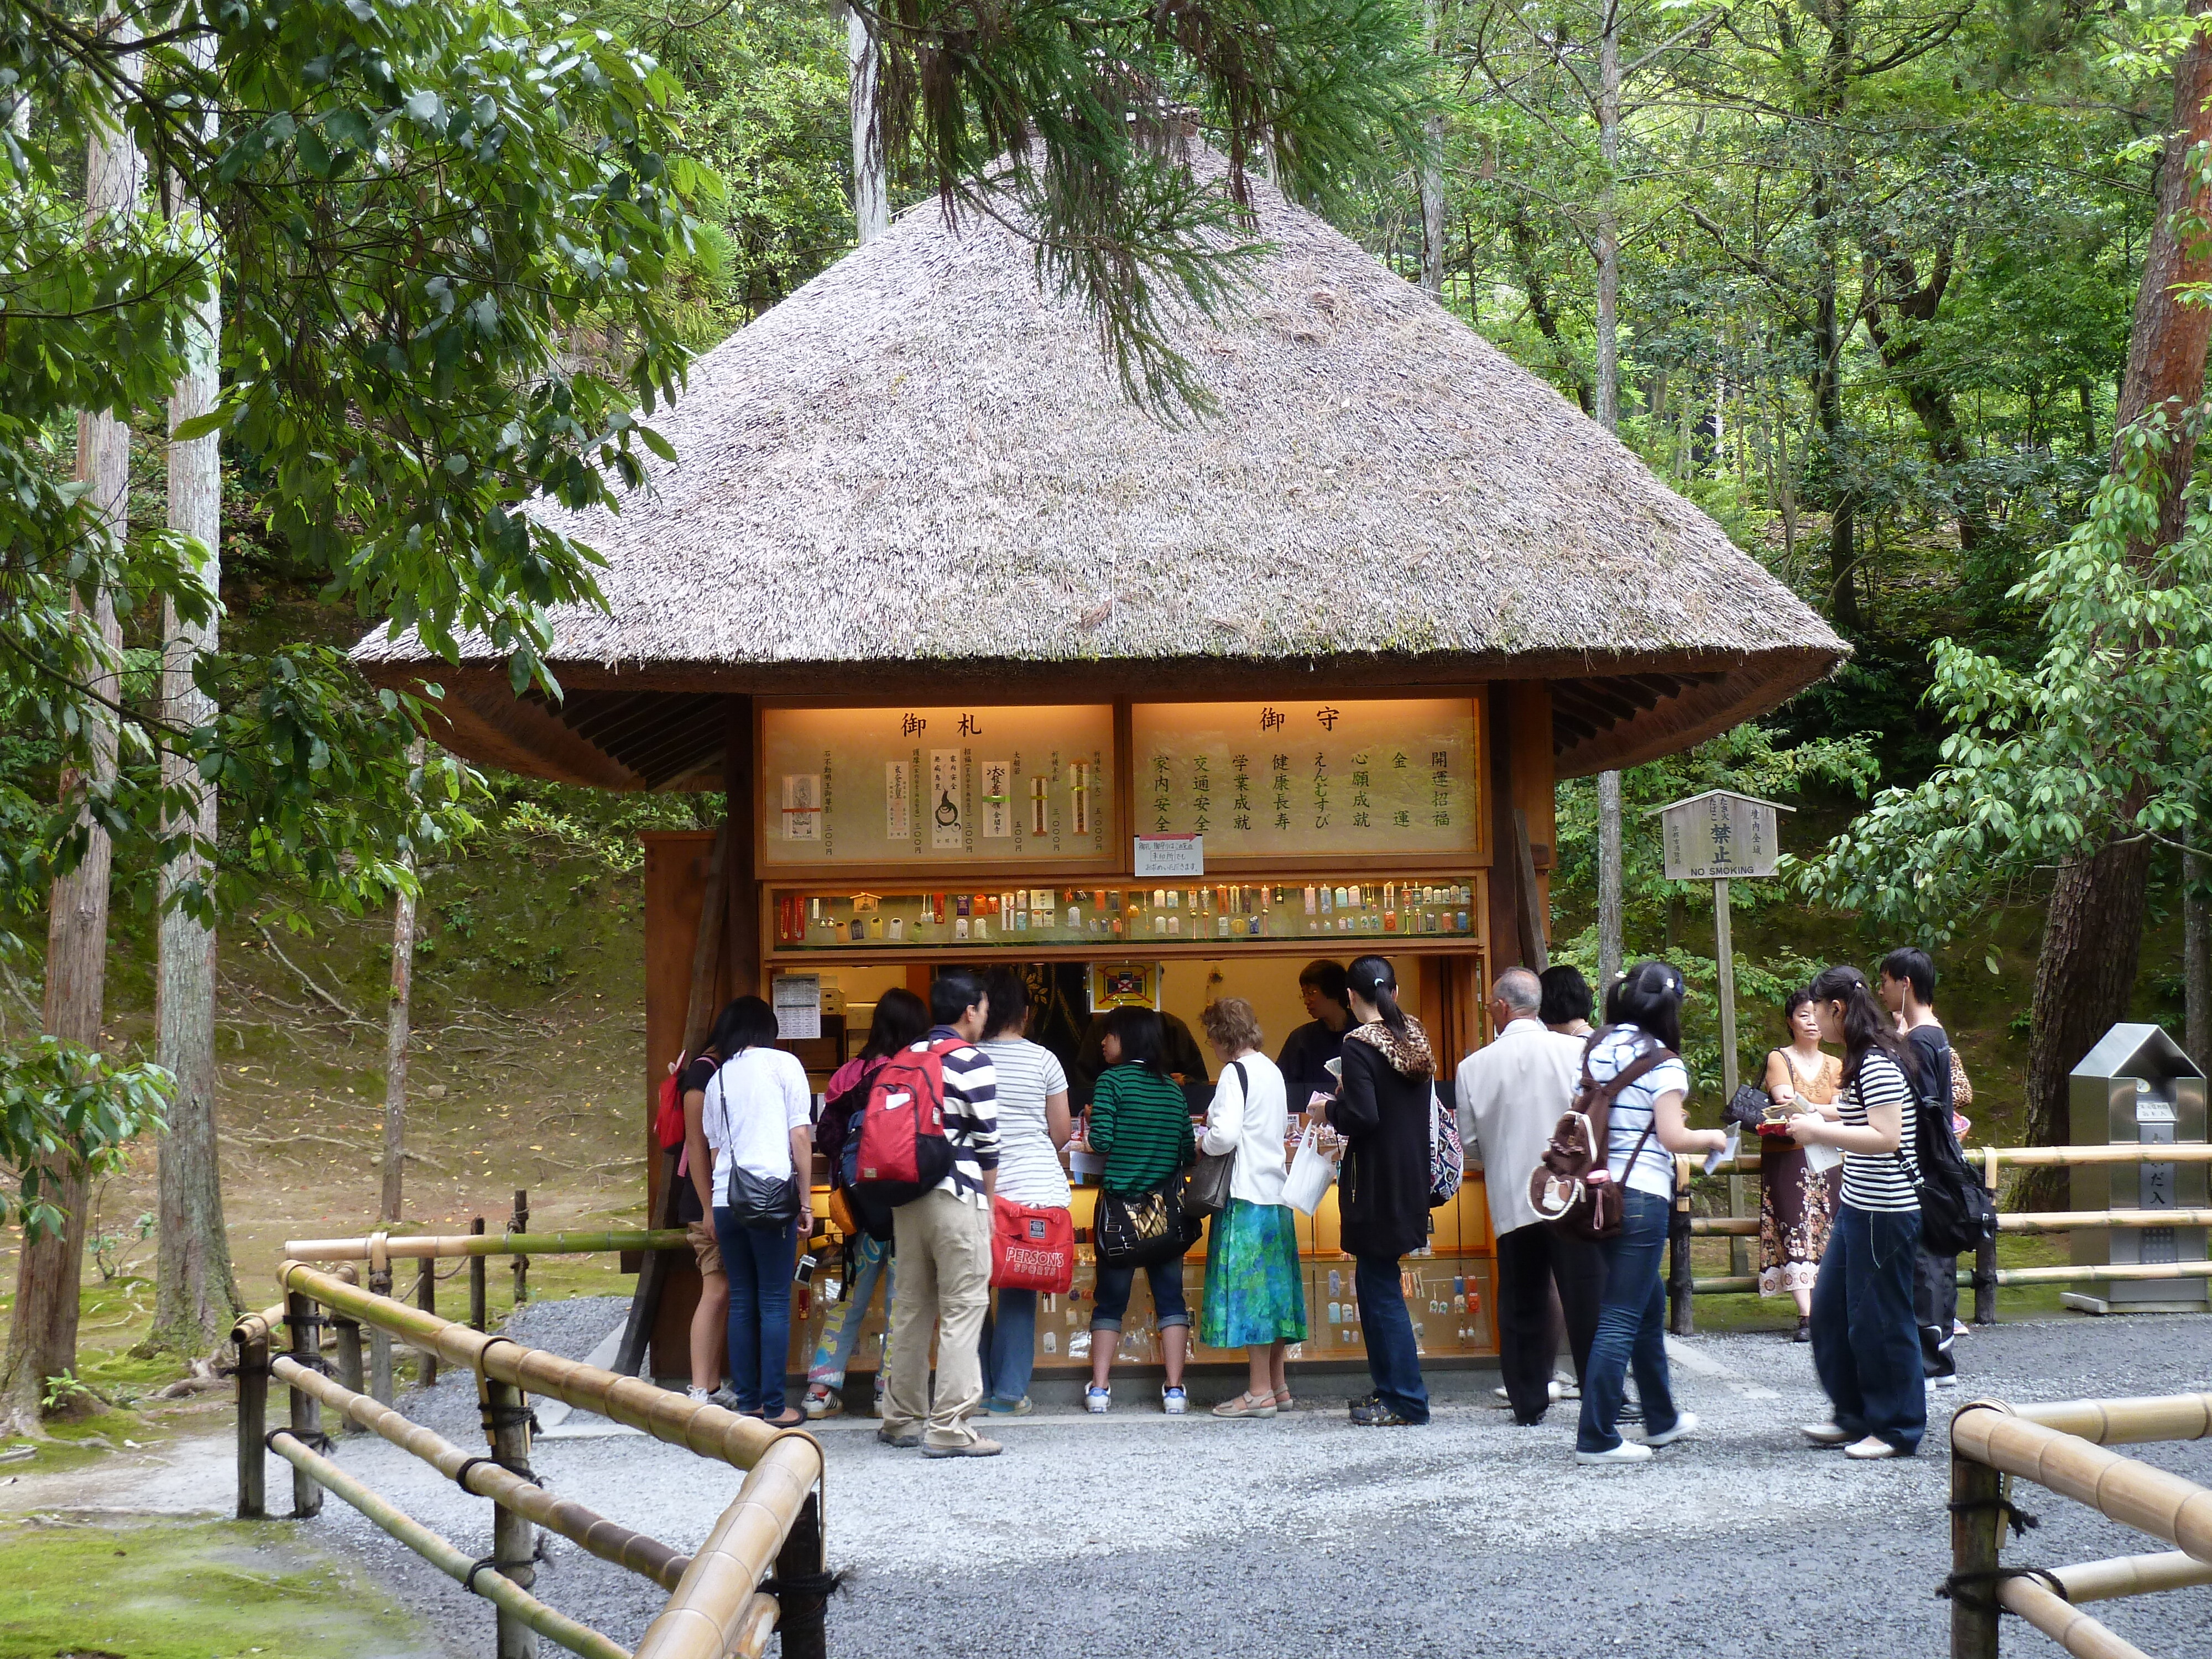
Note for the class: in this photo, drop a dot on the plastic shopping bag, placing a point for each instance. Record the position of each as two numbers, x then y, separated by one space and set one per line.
1311 1172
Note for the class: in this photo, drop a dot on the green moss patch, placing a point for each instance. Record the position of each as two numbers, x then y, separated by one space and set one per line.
192 1590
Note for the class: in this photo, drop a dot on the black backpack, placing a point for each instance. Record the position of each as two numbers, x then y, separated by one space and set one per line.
1958 1214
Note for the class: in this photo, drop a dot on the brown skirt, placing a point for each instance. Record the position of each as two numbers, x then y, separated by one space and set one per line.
1797 1207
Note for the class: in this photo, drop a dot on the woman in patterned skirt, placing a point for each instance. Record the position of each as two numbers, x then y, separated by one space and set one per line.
1254 1299
1797 1195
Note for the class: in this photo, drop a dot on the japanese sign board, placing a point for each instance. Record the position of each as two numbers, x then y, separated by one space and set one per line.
1170 855
1317 776
1720 836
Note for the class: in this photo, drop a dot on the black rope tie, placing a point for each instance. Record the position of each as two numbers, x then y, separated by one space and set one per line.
495 1418
820 1585
313 1439
493 1562
310 1362
1957 1586
521 1471
2015 1517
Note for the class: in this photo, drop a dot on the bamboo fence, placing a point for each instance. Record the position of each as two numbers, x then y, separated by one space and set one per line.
717 1606
2062 1446
1985 1276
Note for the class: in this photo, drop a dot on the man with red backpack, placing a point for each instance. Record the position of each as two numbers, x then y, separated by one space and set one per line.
933 1112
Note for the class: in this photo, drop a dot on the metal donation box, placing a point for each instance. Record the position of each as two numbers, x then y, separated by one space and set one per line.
2136 1085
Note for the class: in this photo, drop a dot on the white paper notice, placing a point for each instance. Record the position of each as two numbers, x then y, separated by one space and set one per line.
997 777
802 806
1170 855
898 801
948 795
798 1004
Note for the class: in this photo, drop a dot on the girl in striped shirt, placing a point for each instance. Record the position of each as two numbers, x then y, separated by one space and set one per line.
1866 1346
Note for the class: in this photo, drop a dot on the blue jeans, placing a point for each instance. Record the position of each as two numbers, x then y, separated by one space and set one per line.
1010 1347
1393 1358
1115 1284
759 1262
1631 1327
1866 1346
872 1263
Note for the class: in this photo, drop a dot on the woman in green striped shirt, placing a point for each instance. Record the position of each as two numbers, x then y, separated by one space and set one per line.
1141 1124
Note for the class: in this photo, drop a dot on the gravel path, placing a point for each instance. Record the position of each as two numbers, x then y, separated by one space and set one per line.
1137 1535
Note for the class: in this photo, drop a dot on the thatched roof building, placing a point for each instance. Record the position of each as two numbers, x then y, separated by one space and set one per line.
919 470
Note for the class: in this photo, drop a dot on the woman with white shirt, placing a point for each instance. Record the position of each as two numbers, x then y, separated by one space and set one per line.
1033 1124
757 1121
1255 1299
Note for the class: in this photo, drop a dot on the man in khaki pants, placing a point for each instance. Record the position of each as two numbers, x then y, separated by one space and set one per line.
943 1241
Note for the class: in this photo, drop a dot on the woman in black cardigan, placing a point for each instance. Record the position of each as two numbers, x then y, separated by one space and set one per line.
1382 1108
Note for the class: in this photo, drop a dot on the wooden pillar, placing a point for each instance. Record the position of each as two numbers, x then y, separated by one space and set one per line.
801 1572
253 1429
1518 777
379 1341
301 1315
426 1298
1977 1535
479 1311
743 949
513 1535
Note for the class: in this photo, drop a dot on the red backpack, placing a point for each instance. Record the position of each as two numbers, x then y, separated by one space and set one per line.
668 1122
902 1150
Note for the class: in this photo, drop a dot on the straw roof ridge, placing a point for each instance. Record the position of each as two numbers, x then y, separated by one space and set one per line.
921 456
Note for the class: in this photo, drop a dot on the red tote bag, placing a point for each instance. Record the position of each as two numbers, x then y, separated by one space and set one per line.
1032 1248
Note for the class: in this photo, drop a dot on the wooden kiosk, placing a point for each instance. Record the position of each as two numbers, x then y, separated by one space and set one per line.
954 624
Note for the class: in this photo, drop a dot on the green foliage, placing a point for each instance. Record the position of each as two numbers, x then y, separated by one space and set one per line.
2107 737
59 1104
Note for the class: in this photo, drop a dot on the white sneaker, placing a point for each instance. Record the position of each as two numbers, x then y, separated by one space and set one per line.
1628 1451
1174 1401
1685 1422
1950 1380
1096 1399
1824 1434
1872 1447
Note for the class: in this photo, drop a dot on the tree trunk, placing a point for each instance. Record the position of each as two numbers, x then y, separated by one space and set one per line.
1522 236
42 1337
871 211
1608 882
1431 183
1608 222
395 1030
2196 959
2093 940
196 1293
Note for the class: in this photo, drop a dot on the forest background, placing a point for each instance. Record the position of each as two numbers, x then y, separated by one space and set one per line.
1875 268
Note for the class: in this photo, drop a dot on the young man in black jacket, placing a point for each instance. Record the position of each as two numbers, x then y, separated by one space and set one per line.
1908 990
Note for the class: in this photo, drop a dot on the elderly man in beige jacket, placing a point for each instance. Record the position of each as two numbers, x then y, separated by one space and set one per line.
1510 1095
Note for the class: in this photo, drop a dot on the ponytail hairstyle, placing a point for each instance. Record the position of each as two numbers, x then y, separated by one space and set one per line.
1369 978
1866 1026
1649 996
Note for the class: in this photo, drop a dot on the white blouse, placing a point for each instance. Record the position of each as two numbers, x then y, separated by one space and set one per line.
1251 1124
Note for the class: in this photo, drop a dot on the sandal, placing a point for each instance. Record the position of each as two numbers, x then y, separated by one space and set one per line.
792 1418
1247 1404
1283 1402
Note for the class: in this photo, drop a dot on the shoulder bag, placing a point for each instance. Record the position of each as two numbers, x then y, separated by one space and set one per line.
1747 1107
1139 1229
754 1200
1206 1189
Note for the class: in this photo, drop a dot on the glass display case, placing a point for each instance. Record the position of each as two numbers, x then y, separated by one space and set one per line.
853 921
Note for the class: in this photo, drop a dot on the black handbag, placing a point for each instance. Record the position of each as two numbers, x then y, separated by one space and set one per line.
757 1201
1139 1229
1206 1189
1747 1106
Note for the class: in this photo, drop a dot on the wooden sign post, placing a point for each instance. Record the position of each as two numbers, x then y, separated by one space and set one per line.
1720 836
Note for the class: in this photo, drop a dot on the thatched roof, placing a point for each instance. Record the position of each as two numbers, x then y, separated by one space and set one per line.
920 470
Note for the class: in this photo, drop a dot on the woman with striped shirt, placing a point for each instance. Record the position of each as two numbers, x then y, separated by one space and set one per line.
1866 1346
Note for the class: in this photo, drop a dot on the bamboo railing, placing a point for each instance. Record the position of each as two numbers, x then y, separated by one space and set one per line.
718 1605
2062 1448
1985 1276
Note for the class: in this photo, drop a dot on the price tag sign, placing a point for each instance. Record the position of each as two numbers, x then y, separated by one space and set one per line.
1170 855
